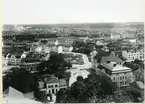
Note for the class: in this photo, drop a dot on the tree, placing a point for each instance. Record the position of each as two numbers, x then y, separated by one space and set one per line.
43 41
22 80
82 47
89 89
77 88
80 78
54 64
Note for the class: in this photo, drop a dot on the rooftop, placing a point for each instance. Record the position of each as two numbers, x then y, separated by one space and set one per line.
111 58
100 54
62 82
114 67
14 96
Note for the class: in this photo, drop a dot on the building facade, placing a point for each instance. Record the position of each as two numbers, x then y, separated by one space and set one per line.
30 66
132 55
139 74
51 84
12 60
119 74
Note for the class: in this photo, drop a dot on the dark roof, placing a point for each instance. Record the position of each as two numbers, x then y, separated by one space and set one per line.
62 82
32 57
111 58
52 79
100 54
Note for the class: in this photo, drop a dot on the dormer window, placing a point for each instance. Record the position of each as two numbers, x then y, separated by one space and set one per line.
108 61
114 65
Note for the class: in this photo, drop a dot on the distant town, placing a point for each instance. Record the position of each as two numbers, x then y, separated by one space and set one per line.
73 63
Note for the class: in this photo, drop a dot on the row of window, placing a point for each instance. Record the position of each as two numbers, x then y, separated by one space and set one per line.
119 78
53 91
122 83
52 86
135 57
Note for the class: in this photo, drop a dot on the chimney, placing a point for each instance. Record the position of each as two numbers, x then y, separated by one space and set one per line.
114 65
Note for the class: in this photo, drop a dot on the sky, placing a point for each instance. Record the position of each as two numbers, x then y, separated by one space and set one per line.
71 11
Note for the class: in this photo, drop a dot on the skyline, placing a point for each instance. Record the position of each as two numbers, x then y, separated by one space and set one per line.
71 12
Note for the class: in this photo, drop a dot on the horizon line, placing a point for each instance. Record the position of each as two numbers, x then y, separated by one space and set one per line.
71 23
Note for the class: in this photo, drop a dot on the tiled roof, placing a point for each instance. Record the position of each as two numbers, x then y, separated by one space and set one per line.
62 82
51 79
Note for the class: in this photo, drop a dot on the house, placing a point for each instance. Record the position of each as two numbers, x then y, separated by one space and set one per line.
13 96
30 66
13 58
133 54
97 59
115 36
139 74
111 58
51 84
119 74
31 61
137 87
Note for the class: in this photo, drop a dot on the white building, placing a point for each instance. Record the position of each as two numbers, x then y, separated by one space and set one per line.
132 55
12 59
123 76
60 49
51 84
115 36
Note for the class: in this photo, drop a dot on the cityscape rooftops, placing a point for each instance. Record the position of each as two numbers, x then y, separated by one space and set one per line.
111 58
113 66
100 54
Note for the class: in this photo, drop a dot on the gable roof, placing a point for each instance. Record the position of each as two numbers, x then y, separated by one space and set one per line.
51 79
140 84
62 82
100 54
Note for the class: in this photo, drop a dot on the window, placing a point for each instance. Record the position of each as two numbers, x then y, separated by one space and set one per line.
56 85
113 78
125 82
50 86
125 77
53 91
121 78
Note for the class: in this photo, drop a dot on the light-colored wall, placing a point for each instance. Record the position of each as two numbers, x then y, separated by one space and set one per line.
13 60
131 56
50 90
122 79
